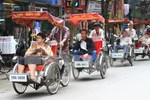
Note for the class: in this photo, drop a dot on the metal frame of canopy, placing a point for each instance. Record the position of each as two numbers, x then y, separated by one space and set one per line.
27 19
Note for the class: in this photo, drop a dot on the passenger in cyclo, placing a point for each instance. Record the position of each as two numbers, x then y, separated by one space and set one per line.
123 43
34 55
131 31
84 46
64 42
144 42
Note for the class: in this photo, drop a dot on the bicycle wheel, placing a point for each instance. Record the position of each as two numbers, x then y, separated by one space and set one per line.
75 73
53 79
103 66
19 88
3 68
65 77
6 66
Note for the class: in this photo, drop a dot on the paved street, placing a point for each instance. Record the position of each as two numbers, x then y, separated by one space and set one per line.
122 83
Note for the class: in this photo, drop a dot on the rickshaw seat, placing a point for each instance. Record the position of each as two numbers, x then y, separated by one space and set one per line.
38 68
139 45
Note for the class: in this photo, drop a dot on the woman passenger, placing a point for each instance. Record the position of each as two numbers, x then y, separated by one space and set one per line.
34 54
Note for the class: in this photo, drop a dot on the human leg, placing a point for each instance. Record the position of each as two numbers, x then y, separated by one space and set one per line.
76 54
116 47
94 55
21 66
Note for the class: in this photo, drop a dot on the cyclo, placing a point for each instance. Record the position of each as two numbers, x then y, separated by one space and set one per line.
85 65
49 73
120 54
141 49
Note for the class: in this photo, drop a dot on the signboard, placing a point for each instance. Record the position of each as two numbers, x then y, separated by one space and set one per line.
94 6
69 3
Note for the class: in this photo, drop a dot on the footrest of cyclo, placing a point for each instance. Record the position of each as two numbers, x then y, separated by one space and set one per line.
19 78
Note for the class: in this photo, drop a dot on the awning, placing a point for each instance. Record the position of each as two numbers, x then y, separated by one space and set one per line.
28 17
76 18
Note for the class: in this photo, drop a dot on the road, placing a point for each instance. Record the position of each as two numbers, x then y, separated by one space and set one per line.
122 82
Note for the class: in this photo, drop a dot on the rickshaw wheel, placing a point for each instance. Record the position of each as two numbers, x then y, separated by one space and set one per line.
65 76
103 71
75 73
132 57
103 65
19 88
53 79
111 61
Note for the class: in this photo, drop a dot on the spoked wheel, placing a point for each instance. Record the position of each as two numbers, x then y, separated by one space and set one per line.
75 72
103 71
65 77
132 57
103 66
53 78
6 65
111 61
19 88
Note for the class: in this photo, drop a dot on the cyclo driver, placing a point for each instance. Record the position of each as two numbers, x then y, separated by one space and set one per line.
64 43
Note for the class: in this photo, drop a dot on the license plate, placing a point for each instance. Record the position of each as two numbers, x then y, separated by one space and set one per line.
81 64
138 51
117 55
18 78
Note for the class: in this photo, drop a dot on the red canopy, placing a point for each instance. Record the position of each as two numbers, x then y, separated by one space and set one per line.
117 21
26 18
76 18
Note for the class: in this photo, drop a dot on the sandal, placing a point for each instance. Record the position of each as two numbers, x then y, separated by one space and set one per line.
33 79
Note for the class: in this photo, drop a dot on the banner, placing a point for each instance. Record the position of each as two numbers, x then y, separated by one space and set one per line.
94 6
120 9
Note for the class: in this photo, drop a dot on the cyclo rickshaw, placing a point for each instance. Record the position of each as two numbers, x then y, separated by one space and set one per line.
143 51
119 56
138 49
86 65
49 73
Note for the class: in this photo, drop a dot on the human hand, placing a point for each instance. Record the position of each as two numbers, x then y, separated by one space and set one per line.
47 40
85 55
61 43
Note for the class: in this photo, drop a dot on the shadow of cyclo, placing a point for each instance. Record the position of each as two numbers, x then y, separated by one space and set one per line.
32 95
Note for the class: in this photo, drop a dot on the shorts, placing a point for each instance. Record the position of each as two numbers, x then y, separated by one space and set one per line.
37 60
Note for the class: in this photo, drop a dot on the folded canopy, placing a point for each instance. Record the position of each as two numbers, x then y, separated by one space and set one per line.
27 18
117 21
76 18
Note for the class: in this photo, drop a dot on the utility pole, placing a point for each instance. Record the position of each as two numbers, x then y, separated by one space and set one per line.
71 26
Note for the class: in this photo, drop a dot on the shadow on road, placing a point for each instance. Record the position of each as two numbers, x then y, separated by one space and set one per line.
31 95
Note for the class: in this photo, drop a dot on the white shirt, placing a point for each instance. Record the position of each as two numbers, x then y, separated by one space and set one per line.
99 36
131 33
145 40
125 41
